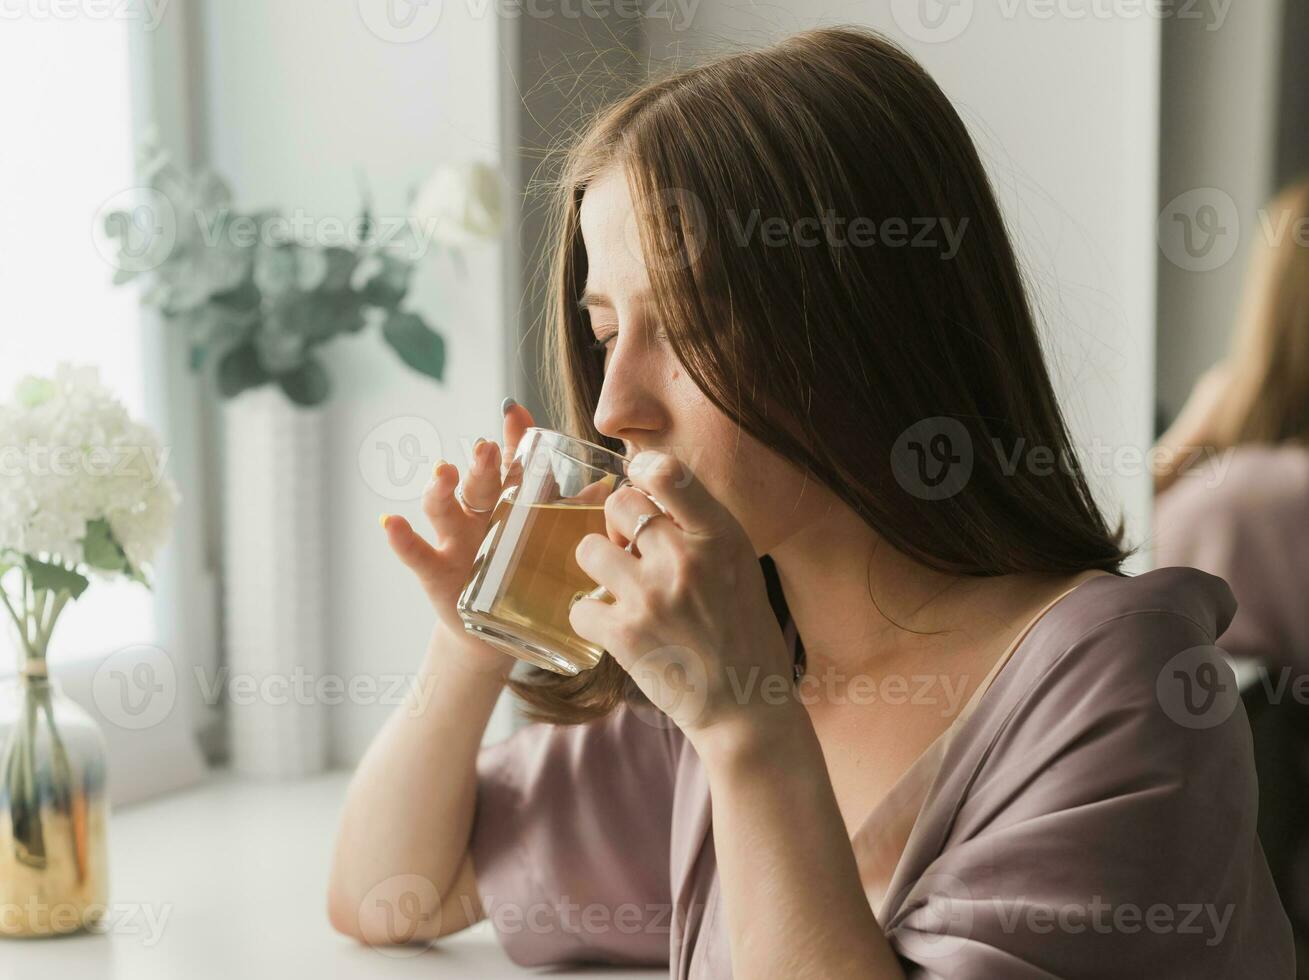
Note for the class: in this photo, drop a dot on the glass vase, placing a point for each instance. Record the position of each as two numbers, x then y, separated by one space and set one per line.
53 811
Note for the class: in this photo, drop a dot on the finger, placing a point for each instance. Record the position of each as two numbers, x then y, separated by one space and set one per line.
596 492
590 619
623 509
447 518
678 492
607 564
517 420
481 487
416 553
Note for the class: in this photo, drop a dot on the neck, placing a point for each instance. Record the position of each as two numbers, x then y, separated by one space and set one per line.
862 607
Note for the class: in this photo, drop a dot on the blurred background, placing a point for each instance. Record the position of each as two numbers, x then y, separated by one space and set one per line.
1134 148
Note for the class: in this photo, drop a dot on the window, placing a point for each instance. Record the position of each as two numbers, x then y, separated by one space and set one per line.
68 149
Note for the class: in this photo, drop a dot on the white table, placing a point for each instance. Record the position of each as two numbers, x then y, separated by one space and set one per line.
229 880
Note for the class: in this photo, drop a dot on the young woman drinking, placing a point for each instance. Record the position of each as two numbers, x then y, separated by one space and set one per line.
925 703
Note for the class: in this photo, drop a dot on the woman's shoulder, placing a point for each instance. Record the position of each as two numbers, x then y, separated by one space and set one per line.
1123 682
1125 629
1120 690
1108 766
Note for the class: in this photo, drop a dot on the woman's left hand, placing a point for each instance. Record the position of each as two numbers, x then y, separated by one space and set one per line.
691 622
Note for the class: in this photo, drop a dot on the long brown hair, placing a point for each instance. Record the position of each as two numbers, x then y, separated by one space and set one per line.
1268 395
826 351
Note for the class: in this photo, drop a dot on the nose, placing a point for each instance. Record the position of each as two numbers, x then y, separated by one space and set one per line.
629 407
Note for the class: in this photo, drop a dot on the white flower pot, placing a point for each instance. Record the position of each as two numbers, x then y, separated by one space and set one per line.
274 584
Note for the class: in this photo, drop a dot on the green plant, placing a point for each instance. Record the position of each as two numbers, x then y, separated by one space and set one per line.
256 300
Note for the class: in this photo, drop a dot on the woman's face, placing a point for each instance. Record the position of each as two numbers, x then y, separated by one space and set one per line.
648 400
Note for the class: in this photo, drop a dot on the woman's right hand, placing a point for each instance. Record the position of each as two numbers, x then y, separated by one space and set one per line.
442 567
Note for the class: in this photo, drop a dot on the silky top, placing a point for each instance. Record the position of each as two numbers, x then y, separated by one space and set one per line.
1078 821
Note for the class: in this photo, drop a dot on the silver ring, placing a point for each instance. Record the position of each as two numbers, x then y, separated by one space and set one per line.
600 592
459 496
641 522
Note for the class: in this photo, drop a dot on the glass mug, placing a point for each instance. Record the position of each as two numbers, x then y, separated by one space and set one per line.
525 576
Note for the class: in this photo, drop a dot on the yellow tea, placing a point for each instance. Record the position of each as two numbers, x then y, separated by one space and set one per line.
525 577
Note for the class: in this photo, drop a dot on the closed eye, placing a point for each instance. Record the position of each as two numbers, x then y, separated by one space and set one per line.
600 343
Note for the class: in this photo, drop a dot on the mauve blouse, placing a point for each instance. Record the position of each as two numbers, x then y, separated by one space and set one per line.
1092 816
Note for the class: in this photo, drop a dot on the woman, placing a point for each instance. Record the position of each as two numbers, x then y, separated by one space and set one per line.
762 292
1232 498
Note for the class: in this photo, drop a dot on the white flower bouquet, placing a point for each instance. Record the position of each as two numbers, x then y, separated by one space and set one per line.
82 496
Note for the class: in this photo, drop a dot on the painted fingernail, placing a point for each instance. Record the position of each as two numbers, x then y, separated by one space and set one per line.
436 470
507 404
382 519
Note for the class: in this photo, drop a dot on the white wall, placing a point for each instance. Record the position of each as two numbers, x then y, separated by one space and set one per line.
299 94
1064 112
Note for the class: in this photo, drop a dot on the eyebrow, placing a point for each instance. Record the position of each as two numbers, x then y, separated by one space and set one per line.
590 299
